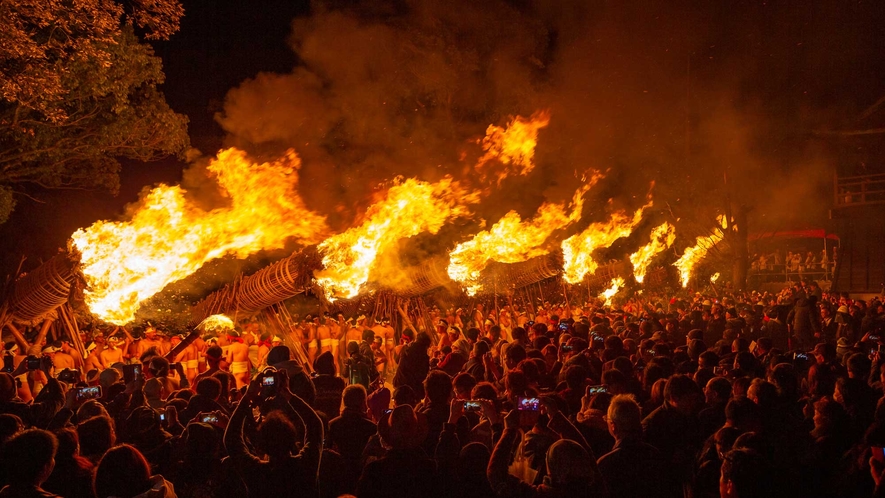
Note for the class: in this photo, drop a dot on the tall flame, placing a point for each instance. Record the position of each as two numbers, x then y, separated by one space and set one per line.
410 208
170 237
694 254
512 240
613 289
577 250
662 237
513 145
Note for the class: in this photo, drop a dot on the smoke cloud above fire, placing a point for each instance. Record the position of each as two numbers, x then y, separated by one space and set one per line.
681 95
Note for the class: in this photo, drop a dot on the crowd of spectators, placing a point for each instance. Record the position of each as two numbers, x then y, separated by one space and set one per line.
744 395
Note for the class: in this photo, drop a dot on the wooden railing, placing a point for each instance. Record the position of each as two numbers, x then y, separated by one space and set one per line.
859 190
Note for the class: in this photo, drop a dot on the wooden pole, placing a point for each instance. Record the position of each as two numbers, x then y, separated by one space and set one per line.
23 345
41 336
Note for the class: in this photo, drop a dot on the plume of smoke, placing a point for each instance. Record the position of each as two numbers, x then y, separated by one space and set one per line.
683 94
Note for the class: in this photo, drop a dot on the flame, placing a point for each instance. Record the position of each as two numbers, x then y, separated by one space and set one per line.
169 237
513 145
662 237
512 240
714 277
216 323
410 208
694 254
609 293
577 250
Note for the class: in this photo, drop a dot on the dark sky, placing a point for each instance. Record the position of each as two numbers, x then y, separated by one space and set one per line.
782 69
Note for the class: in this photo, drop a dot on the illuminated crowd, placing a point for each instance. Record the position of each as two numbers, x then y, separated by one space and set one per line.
697 395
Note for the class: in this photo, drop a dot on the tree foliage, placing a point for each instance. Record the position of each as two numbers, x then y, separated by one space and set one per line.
78 89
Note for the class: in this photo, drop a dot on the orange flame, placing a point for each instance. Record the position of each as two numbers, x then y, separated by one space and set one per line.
694 254
513 145
512 240
662 237
613 289
577 250
714 277
410 208
169 237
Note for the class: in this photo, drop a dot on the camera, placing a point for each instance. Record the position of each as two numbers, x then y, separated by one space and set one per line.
596 389
209 418
800 356
472 406
69 375
8 363
33 362
567 349
270 382
528 404
563 327
86 393
131 372
162 417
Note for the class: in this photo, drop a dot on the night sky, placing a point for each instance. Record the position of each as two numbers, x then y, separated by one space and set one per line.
792 69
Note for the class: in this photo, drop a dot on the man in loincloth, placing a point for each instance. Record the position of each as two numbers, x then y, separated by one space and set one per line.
324 334
238 357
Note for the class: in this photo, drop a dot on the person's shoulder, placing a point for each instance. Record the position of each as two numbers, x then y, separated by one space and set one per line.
609 459
654 414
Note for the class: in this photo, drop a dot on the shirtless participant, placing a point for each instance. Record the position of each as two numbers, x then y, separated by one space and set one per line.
92 362
187 358
112 353
200 346
309 334
324 335
132 352
388 334
69 350
264 345
379 330
354 332
60 359
150 341
478 317
237 356
336 330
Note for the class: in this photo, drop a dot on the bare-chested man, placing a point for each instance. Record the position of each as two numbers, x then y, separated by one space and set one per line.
60 359
355 331
264 345
336 333
380 331
237 356
187 357
112 353
478 317
309 337
201 346
92 362
69 350
389 335
324 335
150 341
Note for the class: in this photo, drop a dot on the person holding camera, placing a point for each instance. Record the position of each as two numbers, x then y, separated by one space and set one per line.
278 471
